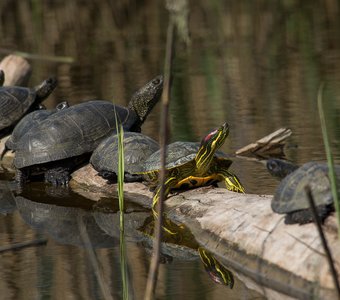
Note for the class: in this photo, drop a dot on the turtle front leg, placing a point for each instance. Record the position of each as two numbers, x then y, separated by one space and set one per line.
58 176
231 181
168 185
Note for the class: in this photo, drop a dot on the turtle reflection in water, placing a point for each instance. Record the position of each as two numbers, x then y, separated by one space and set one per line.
184 239
195 168
217 272
290 197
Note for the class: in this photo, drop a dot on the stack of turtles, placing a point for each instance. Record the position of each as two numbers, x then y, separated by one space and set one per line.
63 141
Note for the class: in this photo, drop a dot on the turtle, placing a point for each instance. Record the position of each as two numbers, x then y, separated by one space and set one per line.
66 139
189 168
2 77
137 148
15 102
290 197
30 120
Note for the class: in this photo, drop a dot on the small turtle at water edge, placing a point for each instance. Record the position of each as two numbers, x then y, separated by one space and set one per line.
15 102
137 148
290 197
65 140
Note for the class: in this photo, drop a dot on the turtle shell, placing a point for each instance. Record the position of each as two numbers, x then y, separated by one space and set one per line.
27 122
290 195
30 120
177 154
71 132
137 148
14 103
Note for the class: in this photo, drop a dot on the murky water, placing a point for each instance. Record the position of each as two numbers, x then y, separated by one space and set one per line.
255 64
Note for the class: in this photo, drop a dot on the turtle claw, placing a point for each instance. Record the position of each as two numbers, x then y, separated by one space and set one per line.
57 177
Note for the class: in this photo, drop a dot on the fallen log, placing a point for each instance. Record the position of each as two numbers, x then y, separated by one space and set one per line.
244 234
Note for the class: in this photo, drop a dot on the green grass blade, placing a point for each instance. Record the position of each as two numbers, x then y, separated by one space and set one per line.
332 175
120 181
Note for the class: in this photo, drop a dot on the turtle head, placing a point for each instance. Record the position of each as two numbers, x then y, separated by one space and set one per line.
209 144
143 101
44 89
280 168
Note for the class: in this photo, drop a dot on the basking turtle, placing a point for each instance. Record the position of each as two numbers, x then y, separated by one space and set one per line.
2 77
17 101
290 197
30 120
63 141
137 148
190 168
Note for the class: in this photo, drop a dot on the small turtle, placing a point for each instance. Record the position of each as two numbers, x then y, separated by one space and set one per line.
66 139
15 102
29 121
190 168
290 197
137 148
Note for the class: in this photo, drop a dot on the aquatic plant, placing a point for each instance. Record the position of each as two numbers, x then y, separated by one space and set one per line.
330 162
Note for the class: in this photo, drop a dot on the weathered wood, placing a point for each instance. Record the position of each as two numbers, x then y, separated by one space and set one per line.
17 70
244 234
271 144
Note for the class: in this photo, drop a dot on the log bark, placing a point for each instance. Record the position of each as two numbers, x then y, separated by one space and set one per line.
244 234
17 70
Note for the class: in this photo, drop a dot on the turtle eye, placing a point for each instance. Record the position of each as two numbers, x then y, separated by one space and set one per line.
156 81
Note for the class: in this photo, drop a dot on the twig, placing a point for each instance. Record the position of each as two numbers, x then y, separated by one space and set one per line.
153 272
18 246
323 239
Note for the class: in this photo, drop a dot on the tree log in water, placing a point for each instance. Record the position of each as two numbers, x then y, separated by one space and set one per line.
244 234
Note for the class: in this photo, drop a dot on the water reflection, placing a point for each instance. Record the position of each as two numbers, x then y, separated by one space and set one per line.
64 262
